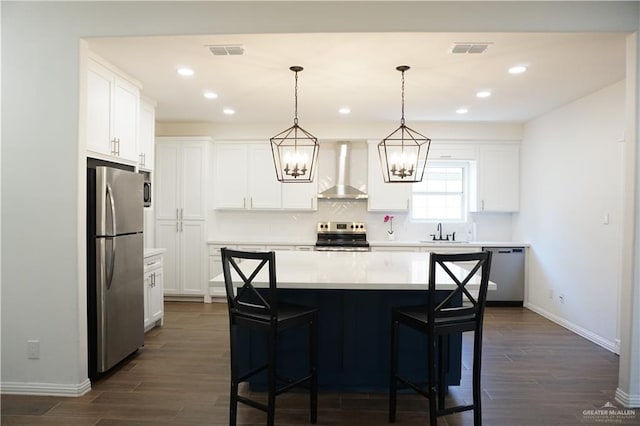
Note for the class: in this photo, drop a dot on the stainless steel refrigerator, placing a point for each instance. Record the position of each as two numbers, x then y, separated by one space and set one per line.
115 298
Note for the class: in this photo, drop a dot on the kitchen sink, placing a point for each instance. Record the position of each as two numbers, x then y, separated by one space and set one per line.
442 242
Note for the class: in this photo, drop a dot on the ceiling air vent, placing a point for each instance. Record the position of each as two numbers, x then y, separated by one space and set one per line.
226 49
469 47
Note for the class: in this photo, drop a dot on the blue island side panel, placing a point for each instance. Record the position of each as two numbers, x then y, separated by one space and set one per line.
354 341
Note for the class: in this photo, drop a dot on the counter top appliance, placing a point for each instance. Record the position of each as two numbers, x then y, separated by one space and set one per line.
342 236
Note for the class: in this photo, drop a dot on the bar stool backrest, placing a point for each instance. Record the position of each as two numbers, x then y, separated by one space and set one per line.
461 303
240 269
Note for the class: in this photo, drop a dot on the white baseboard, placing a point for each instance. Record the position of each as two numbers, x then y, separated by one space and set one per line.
629 401
45 389
598 340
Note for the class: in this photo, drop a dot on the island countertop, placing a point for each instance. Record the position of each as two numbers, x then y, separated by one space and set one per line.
356 271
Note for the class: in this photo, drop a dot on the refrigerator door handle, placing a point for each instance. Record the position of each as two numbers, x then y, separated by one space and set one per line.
113 240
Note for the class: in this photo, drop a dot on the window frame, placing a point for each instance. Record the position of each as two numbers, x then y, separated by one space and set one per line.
465 166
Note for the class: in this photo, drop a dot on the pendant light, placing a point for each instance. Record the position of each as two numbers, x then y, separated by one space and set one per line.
403 154
295 151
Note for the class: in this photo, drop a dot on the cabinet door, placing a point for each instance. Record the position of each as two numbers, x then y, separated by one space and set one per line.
385 196
230 182
126 97
147 283
166 191
192 180
156 296
167 236
146 135
498 178
265 191
192 257
99 92
300 196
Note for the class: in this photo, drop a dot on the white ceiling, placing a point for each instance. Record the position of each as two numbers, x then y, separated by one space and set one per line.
357 70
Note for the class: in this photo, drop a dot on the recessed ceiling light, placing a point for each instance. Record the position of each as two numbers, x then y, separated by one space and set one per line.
229 111
518 69
483 94
210 95
462 111
344 110
185 72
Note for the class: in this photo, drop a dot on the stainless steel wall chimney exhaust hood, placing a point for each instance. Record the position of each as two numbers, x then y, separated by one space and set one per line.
342 190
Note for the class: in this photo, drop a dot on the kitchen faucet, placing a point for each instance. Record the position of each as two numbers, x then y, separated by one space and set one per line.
438 237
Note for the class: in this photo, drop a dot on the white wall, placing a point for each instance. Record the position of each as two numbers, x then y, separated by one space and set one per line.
42 193
572 176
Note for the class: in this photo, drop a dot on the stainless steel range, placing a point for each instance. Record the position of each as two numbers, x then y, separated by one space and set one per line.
342 236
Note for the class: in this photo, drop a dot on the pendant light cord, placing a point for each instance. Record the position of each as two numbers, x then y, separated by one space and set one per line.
402 119
295 118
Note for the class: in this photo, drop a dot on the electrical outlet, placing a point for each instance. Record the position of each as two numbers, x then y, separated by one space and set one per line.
562 298
33 349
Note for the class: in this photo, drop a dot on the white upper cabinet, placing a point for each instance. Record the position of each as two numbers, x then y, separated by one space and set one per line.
245 179
384 196
146 135
451 151
230 176
498 178
112 113
265 191
181 178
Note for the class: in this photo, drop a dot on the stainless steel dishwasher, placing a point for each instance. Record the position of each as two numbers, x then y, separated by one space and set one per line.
507 271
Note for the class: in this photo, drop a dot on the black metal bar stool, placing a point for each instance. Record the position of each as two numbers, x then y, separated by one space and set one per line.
460 311
248 308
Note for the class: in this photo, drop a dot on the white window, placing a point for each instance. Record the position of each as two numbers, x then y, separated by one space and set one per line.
442 194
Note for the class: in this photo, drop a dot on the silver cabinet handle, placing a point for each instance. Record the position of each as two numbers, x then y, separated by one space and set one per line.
113 146
181 226
177 226
482 203
177 214
250 202
244 202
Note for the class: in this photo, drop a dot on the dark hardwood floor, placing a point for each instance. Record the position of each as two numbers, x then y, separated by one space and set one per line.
534 373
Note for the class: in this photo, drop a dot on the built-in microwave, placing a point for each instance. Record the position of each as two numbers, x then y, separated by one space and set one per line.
146 189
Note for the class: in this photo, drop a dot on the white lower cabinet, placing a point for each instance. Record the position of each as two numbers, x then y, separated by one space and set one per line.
215 268
184 262
217 290
153 292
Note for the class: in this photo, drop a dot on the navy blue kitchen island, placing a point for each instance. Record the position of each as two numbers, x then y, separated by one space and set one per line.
354 293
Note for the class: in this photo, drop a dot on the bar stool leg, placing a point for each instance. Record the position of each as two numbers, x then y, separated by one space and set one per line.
271 379
233 394
477 391
393 383
313 363
433 419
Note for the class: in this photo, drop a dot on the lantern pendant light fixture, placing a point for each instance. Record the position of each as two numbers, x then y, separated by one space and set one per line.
403 154
295 151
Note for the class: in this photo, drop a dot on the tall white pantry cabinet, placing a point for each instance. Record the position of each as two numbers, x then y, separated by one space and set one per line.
181 176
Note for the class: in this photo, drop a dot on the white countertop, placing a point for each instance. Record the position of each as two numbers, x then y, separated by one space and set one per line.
148 252
383 243
355 271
